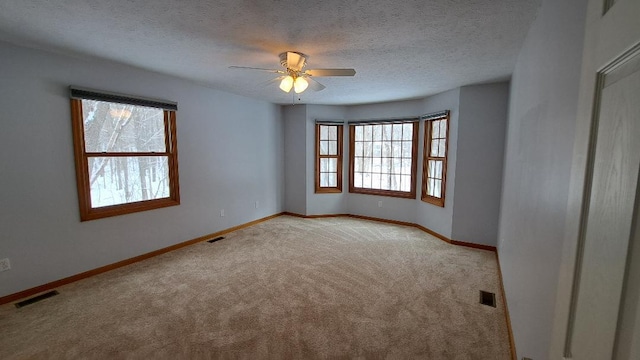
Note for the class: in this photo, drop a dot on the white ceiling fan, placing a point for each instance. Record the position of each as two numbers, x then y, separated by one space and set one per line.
295 77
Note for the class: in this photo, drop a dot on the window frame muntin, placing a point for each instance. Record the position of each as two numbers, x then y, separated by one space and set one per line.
339 156
81 158
426 157
414 161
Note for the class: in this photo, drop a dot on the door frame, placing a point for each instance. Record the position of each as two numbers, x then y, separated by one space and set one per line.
612 37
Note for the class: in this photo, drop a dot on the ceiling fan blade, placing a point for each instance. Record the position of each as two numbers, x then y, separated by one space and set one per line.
260 69
295 61
314 85
331 72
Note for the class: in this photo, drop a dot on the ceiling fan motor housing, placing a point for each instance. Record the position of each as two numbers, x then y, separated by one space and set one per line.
283 58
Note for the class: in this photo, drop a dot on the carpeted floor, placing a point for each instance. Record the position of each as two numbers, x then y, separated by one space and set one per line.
287 288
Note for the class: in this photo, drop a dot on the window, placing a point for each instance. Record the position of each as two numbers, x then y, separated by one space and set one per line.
383 158
434 169
126 153
328 158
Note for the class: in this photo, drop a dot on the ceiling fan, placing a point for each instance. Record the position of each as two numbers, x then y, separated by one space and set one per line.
295 77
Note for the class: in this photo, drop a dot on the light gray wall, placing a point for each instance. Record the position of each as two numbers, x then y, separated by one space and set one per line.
295 158
540 134
327 203
436 218
230 151
480 154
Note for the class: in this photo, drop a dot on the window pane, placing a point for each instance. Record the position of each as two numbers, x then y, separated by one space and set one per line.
407 131
368 148
382 149
333 147
324 167
366 180
396 149
443 128
367 133
438 170
358 133
397 166
385 181
324 132
395 182
405 184
441 147
386 132
386 149
430 185
435 129
357 179
377 149
397 131
324 180
357 164
385 167
366 164
359 149
377 165
324 148
435 166
434 148
375 181
377 132
121 180
406 166
437 190
333 165
333 132
333 179
406 149
113 127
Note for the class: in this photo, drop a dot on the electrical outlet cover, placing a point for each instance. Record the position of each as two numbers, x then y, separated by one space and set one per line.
5 264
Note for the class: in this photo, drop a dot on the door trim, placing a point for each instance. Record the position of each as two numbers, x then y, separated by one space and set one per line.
600 82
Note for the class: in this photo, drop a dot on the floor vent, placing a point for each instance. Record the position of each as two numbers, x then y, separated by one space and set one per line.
487 298
216 239
35 299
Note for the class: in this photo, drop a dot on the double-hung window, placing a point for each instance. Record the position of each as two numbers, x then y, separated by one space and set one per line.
125 151
383 157
434 169
328 158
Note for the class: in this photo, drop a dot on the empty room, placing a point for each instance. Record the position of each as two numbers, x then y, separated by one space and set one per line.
262 179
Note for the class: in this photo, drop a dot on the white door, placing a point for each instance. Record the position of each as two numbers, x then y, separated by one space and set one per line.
604 320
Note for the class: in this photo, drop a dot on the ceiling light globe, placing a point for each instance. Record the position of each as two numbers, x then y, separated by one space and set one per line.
286 84
300 85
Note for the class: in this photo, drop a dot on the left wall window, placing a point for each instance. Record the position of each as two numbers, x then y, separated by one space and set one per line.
328 158
126 153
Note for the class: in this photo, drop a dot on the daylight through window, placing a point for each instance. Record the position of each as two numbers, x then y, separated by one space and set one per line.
436 135
383 158
126 157
328 158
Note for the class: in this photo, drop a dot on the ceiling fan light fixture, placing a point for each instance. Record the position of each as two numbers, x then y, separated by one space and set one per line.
286 84
300 85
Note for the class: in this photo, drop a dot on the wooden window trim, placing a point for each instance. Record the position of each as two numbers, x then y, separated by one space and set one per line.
391 193
82 164
338 188
425 163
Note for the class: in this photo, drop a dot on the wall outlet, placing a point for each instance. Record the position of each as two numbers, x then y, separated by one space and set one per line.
380 203
5 264
222 213
257 204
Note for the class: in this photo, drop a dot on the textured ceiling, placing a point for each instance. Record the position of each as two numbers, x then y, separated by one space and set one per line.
400 49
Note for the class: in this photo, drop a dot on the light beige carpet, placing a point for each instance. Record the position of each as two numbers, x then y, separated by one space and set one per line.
287 288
